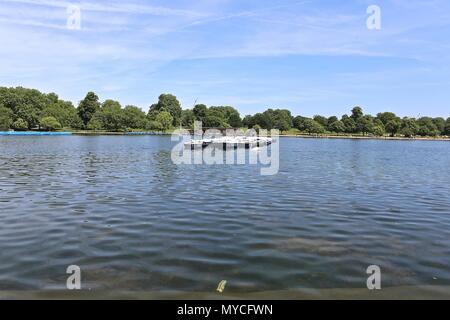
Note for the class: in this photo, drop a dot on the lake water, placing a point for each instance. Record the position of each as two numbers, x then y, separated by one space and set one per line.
135 222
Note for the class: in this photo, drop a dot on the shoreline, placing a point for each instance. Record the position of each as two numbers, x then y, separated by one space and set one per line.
304 136
363 137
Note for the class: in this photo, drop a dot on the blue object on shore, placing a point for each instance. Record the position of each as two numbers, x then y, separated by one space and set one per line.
33 133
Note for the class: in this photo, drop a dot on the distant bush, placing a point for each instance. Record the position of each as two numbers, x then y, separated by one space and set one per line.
50 124
20 125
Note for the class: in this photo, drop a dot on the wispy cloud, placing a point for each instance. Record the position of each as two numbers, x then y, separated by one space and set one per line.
134 50
113 6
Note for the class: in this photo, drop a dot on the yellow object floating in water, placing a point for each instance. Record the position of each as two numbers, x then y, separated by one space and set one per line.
221 286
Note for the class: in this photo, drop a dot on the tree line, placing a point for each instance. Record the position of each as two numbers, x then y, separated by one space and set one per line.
384 123
29 109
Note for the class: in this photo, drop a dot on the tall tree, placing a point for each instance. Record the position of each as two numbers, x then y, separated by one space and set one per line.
356 113
169 103
349 123
200 111
187 118
88 107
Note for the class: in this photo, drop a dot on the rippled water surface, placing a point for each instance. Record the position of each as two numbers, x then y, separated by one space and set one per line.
133 221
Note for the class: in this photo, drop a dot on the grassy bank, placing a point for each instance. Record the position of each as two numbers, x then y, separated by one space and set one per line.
112 133
298 134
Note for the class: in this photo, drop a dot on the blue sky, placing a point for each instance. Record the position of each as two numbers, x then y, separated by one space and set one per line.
312 57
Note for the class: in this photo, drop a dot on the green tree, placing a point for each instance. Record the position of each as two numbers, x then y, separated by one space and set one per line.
280 119
30 114
257 128
349 123
95 124
393 126
20 125
215 119
88 107
234 120
200 111
111 115
313 127
330 121
134 118
50 124
378 130
440 124
5 118
409 127
169 103
248 121
385 117
337 126
64 112
25 103
154 125
447 127
378 122
165 119
356 113
230 114
427 127
263 120
283 124
364 124
187 118
299 123
322 120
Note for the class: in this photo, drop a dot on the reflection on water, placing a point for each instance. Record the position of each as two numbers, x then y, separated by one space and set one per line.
138 225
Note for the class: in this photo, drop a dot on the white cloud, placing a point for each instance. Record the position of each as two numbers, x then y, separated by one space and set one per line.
113 6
